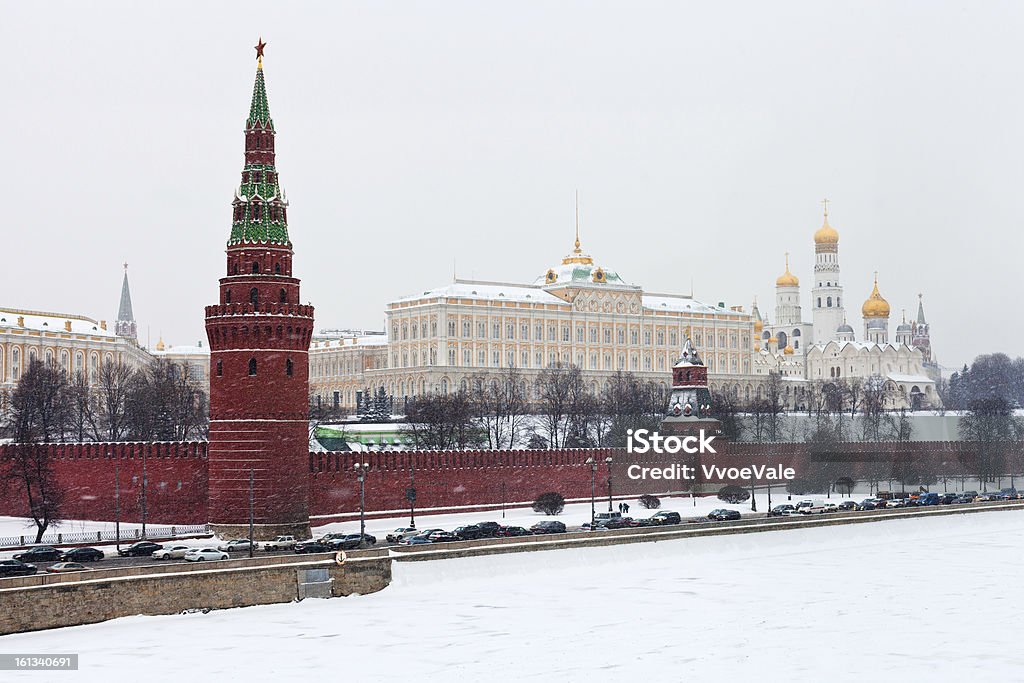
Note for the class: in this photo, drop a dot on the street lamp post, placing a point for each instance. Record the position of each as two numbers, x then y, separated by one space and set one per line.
251 512
410 495
144 480
608 462
117 504
360 468
593 490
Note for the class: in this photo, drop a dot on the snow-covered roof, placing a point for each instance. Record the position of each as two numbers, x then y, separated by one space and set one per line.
51 322
490 291
909 379
361 340
858 345
182 351
685 304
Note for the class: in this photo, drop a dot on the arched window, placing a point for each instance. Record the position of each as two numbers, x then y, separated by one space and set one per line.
289 367
283 296
220 368
819 302
829 301
254 295
252 367
234 269
227 297
255 267
277 268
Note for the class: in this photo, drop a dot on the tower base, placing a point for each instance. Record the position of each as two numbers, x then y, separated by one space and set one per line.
262 532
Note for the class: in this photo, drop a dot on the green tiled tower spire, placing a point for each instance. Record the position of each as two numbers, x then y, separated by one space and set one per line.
260 211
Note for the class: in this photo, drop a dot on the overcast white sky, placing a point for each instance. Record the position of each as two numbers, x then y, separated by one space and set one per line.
701 136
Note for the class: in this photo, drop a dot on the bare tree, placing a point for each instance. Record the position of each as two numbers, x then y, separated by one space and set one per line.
500 407
114 385
990 426
162 405
442 421
82 413
36 417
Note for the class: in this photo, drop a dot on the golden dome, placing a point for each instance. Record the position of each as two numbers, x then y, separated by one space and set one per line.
773 340
788 350
758 326
160 344
787 279
875 306
826 234
757 347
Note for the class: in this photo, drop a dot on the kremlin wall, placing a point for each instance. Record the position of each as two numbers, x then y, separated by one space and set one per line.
177 476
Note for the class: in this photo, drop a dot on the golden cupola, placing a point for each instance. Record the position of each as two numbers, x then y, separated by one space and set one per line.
788 350
876 306
787 279
826 234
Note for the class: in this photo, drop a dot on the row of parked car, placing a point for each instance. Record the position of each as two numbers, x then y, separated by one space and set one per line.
922 499
470 532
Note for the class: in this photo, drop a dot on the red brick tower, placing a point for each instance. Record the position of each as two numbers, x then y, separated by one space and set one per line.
259 341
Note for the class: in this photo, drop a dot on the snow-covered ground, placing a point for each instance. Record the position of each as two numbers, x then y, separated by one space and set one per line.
18 526
924 599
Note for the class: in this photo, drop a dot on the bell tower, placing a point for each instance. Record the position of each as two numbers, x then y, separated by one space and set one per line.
259 336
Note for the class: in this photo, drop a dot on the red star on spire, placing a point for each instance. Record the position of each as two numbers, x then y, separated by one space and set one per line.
259 48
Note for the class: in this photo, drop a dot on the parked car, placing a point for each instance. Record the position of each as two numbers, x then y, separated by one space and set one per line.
947 498
847 506
963 500
666 517
548 527
235 545
781 510
280 543
203 554
928 499
897 503
40 553
508 531
970 494
140 549
415 540
317 546
605 516
810 507
443 536
351 541
82 555
174 552
615 523
400 533
830 507
425 534
724 515
489 529
469 532
16 568
870 504
64 567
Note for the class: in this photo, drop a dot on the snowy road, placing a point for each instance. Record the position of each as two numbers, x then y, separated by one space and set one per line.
935 598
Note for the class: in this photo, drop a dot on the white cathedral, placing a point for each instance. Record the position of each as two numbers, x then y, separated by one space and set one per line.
827 349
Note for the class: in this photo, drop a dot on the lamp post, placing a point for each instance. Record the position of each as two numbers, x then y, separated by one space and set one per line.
144 479
117 504
593 490
608 462
360 468
410 495
503 500
251 513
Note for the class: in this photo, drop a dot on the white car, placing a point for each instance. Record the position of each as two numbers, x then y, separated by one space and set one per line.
201 554
235 545
402 533
171 552
831 507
